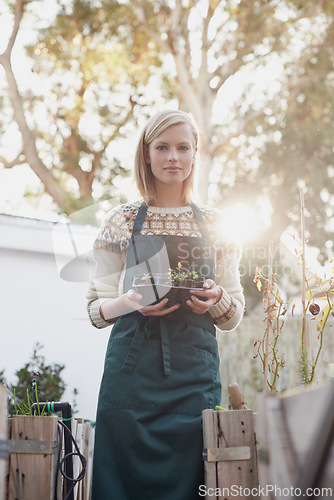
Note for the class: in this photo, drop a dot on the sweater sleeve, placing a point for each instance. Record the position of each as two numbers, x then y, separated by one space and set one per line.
229 311
104 285
108 251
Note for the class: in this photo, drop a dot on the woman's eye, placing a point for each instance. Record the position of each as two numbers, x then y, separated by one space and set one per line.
184 148
160 148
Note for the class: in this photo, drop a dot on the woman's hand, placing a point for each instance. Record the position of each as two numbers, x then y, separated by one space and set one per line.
212 295
159 309
111 309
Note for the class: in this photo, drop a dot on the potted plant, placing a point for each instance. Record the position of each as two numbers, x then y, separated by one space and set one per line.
174 285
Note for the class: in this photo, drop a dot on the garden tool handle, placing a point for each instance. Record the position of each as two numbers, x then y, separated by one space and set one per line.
237 401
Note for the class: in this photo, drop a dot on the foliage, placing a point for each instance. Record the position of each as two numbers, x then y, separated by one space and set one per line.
90 84
276 308
106 66
50 383
290 144
24 406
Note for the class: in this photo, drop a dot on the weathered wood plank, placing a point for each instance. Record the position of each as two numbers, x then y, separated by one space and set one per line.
283 457
210 440
261 432
88 452
3 437
236 428
84 436
285 430
32 476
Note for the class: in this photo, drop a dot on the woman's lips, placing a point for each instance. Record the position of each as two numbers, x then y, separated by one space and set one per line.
172 169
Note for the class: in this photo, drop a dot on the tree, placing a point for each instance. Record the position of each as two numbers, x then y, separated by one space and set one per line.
214 41
249 140
92 85
294 139
50 383
270 140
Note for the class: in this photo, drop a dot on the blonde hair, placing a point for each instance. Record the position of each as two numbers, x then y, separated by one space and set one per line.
154 127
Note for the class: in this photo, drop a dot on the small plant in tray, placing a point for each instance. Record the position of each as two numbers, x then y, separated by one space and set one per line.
174 285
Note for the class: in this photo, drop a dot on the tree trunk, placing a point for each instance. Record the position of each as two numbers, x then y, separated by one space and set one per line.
51 184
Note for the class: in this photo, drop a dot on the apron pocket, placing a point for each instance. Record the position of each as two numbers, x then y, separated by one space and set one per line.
192 386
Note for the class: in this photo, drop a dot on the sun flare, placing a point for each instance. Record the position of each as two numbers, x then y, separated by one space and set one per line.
240 222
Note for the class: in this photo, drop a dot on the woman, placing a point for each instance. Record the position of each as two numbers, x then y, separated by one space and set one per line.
162 364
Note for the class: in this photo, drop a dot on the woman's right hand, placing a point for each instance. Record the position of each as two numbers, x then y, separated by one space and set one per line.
159 309
111 309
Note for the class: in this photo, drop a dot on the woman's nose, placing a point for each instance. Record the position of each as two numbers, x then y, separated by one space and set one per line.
172 155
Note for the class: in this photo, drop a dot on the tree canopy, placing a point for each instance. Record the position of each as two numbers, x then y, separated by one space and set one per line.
257 75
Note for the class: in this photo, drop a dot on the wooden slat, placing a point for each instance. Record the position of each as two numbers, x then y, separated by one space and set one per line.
286 425
236 428
33 476
84 435
303 411
284 461
88 452
3 437
230 429
210 440
261 431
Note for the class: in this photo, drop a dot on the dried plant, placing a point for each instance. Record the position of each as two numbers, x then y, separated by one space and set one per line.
275 309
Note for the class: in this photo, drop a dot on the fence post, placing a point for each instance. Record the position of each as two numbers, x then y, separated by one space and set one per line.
33 458
230 462
3 439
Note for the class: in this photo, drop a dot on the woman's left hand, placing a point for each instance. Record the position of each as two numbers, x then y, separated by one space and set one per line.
212 294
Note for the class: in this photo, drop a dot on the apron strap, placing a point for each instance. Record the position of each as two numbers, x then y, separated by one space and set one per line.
165 346
201 221
140 219
145 328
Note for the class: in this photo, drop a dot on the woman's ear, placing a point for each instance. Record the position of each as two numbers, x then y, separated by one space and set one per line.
147 155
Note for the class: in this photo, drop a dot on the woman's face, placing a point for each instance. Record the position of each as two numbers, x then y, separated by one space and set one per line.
172 154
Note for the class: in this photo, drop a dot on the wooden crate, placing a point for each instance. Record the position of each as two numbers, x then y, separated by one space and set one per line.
3 439
32 468
286 426
230 462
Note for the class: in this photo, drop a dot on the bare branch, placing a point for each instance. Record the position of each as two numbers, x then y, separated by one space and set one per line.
219 148
203 72
153 34
176 13
19 8
51 184
19 160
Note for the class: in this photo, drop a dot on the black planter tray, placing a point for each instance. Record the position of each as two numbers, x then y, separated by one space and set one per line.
159 286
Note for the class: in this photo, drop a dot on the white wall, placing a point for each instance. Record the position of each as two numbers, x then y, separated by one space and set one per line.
37 305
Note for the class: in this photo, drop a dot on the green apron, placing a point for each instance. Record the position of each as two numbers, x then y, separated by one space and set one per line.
159 374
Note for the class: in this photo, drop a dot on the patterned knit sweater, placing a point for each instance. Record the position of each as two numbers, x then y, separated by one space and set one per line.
112 242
